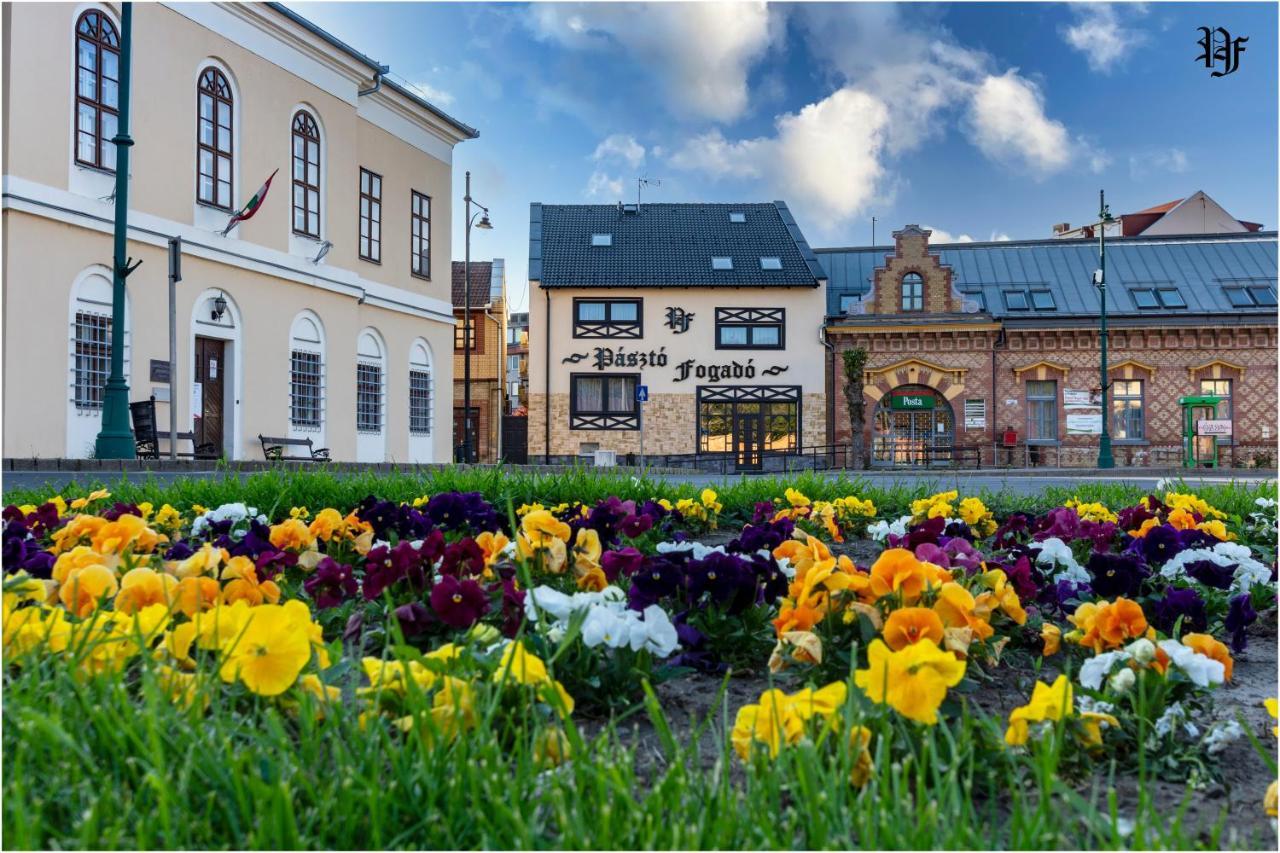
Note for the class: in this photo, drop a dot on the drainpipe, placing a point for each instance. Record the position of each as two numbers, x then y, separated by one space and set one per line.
546 390
825 340
377 81
995 396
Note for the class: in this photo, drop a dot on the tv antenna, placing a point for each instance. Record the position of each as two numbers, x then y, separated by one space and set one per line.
641 183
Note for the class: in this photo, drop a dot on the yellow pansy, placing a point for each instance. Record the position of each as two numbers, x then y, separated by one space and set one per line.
912 681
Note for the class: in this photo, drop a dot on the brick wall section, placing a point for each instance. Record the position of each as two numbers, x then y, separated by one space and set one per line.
911 254
670 426
1169 361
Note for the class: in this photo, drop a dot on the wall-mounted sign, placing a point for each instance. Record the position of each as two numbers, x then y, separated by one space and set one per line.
159 370
1084 423
1213 426
678 320
718 372
1074 399
197 400
908 402
642 393
607 357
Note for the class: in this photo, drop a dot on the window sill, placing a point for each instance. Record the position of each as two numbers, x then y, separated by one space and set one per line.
1043 442
423 277
377 261
208 205
1130 442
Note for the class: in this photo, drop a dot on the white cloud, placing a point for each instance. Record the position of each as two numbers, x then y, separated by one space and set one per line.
827 154
940 236
439 97
622 147
601 185
998 236
1099 34
1163 160
1009 125
701 52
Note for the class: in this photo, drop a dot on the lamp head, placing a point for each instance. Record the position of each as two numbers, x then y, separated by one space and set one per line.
484 223
219 307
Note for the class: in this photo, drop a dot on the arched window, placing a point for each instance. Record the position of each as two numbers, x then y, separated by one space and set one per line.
306 373
419 389
912 292
215 156
370 383
97 90
306 175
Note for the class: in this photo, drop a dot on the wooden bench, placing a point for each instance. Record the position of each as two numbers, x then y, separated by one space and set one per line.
147 438
273 448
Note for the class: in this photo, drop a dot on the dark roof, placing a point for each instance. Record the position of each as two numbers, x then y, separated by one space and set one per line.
481 277
464 129
1199 267
667 245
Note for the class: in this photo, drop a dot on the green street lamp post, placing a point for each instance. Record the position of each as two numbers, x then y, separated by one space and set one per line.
115 439
1105 459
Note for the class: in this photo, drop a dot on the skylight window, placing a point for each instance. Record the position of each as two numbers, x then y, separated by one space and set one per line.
1015 300
1145 298
975 296
1171 297
722 263
770 263
602 239
1042 300
1263 295
1239 297
737 216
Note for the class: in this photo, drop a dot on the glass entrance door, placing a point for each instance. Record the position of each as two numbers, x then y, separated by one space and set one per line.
922 435
748 436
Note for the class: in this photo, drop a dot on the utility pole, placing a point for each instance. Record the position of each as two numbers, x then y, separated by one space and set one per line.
873 231
466 333
115 439
1105 458
175 276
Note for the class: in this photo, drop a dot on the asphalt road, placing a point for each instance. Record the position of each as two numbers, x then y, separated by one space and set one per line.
964 481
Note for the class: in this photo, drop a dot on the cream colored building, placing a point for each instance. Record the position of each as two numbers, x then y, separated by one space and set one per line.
325 316
717 309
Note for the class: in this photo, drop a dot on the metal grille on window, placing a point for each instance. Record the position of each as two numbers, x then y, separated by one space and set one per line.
305 388
368 397
93 358
419 402
97 90
420 235
213 142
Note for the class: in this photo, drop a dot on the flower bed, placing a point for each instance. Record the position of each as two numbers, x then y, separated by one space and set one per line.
866 644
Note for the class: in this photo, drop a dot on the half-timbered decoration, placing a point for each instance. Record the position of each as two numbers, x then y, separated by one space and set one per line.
707 307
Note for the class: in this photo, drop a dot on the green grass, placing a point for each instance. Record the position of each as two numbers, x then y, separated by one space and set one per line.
274 492
106 764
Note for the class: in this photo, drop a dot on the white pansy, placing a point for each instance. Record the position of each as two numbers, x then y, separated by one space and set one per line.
1175 716
1265 503
660 634
1099 667
1122 681
553 602
509 550
1142 650
233 512
1089 705
880 530
608 621
784 566
556 634
1222 736
1203 671
1248 571
1053 551
603 627
674 547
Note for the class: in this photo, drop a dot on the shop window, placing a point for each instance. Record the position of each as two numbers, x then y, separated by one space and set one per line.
751 328
912 292
603 401
1127 416
748 419
1042 411
608 318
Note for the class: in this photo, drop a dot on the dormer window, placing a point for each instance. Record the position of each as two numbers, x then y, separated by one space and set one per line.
737 216
912 292
721 263
770 263
601 239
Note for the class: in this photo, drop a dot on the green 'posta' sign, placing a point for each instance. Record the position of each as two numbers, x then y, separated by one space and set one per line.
911 401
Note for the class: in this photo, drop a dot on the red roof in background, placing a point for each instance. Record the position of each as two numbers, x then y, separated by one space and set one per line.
481 275
1160 208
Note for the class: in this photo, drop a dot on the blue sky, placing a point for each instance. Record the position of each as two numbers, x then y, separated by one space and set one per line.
981 121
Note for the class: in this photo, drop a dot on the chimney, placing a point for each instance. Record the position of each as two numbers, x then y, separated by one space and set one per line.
1062 228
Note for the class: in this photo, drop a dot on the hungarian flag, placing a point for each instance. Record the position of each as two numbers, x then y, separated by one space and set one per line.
251 208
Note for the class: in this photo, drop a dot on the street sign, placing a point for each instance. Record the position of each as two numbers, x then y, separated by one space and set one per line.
642 393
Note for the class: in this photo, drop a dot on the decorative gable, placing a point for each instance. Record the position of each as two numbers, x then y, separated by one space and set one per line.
911 258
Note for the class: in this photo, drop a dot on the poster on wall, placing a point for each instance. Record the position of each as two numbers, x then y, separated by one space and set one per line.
1084 423
197 399
1080 399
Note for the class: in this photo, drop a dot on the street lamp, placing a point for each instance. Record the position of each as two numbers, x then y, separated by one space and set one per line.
115 438
485 225
1105 459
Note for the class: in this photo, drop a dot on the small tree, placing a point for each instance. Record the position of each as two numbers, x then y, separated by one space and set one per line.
855 362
